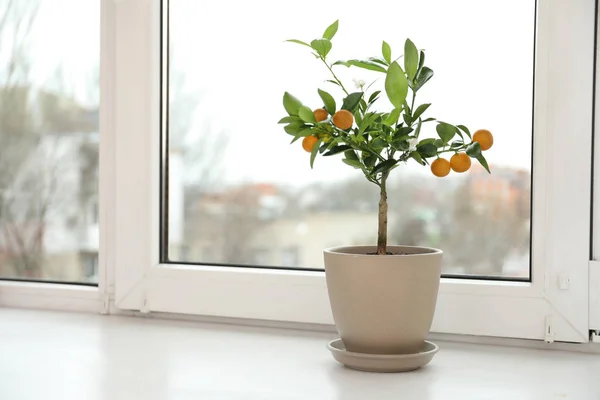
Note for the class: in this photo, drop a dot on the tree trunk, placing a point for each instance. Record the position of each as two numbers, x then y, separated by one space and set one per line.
382 220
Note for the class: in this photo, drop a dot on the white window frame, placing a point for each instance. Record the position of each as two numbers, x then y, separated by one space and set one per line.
84 298
561 198
594 272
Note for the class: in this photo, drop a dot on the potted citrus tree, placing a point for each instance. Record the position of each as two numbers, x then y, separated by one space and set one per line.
382 296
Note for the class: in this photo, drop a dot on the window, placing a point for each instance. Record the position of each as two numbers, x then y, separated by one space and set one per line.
90 266
290 256
260 257
49 100
182 199
235 181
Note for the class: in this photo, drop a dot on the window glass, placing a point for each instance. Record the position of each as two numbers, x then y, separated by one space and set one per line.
49 97
240 194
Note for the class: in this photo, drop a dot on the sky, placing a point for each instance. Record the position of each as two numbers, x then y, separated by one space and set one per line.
234 60
481 52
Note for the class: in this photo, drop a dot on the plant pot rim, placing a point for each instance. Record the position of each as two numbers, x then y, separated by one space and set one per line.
416 251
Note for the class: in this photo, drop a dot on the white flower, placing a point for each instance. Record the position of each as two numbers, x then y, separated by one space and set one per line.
412 144
359 83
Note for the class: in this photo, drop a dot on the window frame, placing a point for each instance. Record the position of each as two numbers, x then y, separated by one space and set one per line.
561 222
83 296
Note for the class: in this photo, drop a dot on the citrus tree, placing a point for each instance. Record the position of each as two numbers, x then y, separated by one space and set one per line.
375 141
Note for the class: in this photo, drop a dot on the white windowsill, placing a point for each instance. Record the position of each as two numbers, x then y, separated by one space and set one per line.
88 299
120 357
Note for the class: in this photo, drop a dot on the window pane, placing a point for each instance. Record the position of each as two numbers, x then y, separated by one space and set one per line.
240 194
49 93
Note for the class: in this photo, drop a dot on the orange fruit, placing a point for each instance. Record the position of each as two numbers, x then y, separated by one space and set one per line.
343 119
440 167
309 142
460 162
484 138
320 114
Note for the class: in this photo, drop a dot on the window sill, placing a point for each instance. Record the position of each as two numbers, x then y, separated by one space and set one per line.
200 360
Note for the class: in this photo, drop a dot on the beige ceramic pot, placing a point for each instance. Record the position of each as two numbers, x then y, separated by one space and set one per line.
383 304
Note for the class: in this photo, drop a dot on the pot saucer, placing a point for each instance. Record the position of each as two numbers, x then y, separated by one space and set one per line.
382 362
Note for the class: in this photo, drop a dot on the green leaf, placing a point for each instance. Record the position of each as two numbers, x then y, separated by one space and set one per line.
370 65
351 155
386 51
418 131
427 150
386 130
384 166
407 109
438 143
314 152
369 160
426 141
331 81
307 115
364 124
287 120
294 127
321 46
428 119
331 30
342 62
378 61
421 62
336 150
445 131
328 101
306 131
411 59
396 85
351 101
353 163
362 105
424 75
378 144
298 42
483 163
407 119
420 110
303 133
417 157
474 150
464 129
332 143
372 98
291 104
456 143
357 117
402 131
400 144
392 118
